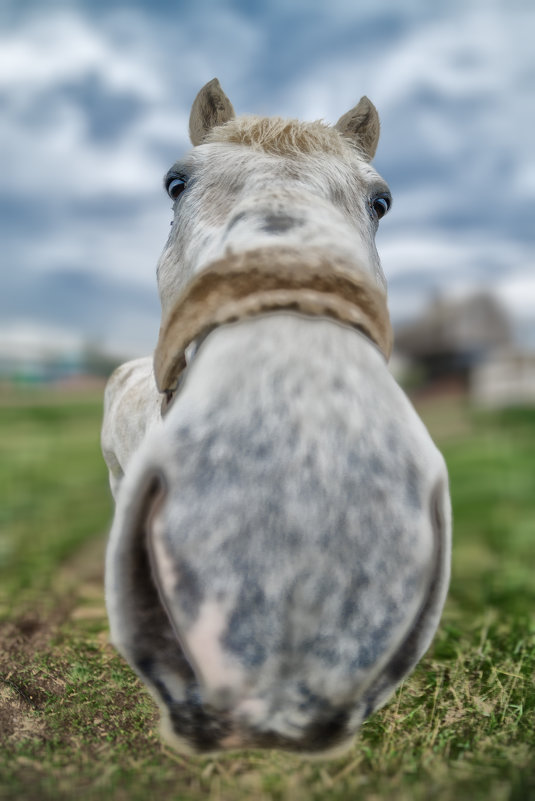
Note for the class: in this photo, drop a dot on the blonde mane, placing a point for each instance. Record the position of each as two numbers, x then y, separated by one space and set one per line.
280 136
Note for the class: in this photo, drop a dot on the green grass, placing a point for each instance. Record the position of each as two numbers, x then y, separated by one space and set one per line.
53 488
74 721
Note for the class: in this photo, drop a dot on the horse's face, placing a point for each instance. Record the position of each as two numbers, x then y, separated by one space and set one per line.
258 182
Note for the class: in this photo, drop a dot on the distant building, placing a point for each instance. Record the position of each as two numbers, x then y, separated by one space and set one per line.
453 337
505 378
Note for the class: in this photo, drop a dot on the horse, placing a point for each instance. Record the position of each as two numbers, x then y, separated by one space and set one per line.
280 551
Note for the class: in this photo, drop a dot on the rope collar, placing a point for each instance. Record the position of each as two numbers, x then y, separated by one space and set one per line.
245 285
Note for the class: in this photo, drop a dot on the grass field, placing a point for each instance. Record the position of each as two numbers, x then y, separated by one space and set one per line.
75 723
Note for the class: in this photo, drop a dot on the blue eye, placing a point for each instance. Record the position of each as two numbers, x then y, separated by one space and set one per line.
381 205
175 187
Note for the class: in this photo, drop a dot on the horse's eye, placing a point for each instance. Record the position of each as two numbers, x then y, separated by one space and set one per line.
381 205
175 187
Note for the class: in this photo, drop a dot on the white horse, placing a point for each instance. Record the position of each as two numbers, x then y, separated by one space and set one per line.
279 556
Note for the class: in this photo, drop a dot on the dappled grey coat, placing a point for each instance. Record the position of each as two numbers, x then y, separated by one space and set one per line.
279 556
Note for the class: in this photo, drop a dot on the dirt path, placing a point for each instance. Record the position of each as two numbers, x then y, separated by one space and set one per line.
36 661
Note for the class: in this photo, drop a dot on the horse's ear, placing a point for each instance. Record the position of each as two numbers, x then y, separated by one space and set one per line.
362 125
211 107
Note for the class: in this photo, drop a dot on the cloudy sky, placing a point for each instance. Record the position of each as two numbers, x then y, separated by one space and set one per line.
94 104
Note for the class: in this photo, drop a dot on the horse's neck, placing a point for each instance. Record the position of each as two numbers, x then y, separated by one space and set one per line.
278 355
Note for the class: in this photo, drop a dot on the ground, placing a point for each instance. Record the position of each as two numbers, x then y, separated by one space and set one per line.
75 722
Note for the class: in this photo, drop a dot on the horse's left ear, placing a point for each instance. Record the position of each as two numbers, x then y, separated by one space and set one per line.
362 125
211 107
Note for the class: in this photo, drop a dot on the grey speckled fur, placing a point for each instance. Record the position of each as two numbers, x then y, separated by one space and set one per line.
279 556
310 506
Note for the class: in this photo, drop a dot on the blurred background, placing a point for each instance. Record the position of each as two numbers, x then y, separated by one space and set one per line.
95 98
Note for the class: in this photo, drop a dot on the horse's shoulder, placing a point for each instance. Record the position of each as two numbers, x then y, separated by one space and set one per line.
131 405
125 377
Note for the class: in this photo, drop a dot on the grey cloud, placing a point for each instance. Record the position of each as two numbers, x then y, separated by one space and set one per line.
81 218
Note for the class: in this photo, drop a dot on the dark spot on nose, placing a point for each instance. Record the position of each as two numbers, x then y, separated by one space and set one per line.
246 625
279 223
189 589
326 732
202 727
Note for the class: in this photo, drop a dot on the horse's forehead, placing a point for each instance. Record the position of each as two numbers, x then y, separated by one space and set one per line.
283 137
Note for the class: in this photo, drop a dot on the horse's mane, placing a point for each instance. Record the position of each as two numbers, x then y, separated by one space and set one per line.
284 137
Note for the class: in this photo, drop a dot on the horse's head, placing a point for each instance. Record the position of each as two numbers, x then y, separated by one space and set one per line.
280 551
252 181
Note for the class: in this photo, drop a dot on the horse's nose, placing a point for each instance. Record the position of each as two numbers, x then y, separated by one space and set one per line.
195 726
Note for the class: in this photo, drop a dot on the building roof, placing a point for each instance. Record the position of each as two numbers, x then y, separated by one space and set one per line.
468 325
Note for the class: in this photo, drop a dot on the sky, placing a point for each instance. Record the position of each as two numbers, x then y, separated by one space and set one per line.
94 105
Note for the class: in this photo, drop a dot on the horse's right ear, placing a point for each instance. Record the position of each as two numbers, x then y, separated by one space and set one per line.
211 107
362 125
